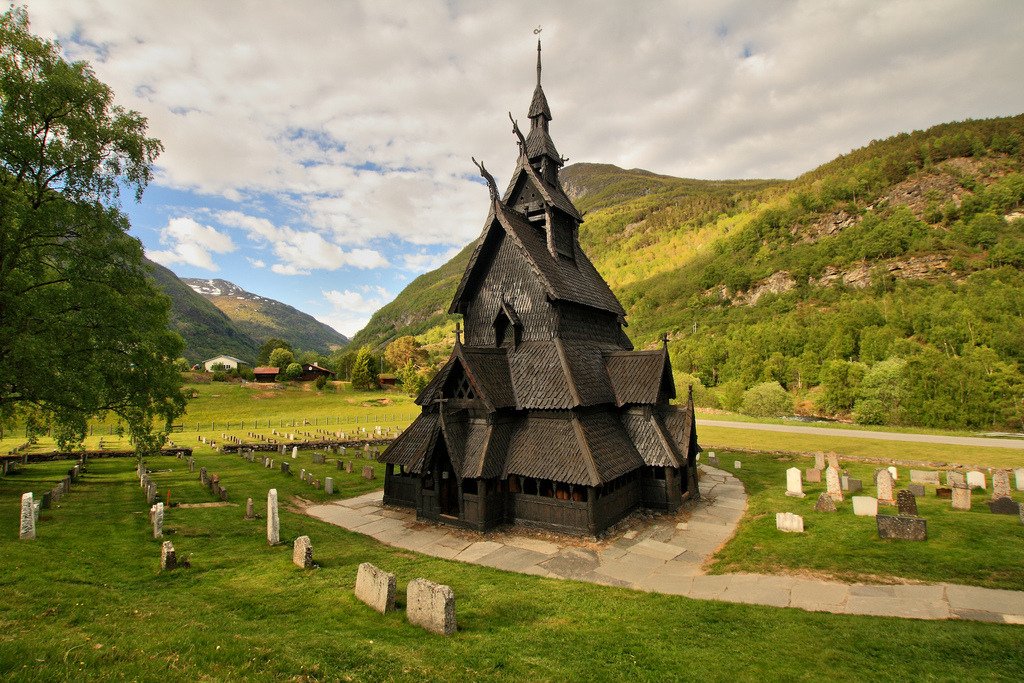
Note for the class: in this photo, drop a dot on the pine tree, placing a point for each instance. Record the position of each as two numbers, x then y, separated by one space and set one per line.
364 376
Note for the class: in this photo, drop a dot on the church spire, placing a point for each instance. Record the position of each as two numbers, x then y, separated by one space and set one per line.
539 103
538 143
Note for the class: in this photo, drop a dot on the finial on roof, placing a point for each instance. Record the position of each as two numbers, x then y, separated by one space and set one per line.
518 134
664 340
458 334
492 186
538 61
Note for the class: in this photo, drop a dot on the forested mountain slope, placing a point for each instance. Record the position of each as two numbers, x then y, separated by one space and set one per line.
887 284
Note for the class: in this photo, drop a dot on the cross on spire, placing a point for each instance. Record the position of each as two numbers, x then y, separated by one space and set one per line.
458 334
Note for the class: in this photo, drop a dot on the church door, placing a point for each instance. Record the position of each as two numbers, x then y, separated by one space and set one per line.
448 489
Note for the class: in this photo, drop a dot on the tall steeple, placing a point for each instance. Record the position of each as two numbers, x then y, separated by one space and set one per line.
540 150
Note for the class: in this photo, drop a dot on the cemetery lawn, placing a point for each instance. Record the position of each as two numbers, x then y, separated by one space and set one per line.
85 601
972 547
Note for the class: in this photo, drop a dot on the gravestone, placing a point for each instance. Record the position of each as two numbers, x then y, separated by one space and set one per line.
315 483
955 479
340 464
302 552
27 531
736 464
285 467
375 587
924 477
894 472
158 520
295 452
832 482
168 558
975 479
825 503
1000 484
1018 478
833 460
47 500
712 460
865 506
368 472
813 476
819 460
431 606
961 498
944 493
318 459
328 485
37 508
916 489
302 474
794 486
271 465
191 464
844 481
250 509
907 503
150 493
855 485
789 522
273 525
885 488
349 467
902 528
1004 506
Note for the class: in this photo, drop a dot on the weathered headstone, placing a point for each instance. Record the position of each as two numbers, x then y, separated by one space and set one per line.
158 520
712 460
349 467
885 488
150 493
1018 478
37 509
286 467
819 460
902 528
789 522
302 552
855 485
894 472
844 481
168 558
375 587
340 464
27 531
295 452
368 472
318 459
916 489
1000 484
833 460
328 485
976 479
825 503
944 493
1004 506
431 606
955 478
865 506
302 474
924 477
832 482
794 486
736 464
273 525
250 509
906 502
813 476
961 498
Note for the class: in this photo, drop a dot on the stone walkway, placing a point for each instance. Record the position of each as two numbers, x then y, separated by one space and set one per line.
666 556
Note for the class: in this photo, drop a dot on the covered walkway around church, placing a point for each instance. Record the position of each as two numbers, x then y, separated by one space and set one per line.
666 555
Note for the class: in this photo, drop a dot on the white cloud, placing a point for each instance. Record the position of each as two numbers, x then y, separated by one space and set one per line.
351 310
255 262
422 261
191 243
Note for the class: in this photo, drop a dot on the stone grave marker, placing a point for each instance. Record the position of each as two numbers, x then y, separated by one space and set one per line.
789 522
944 493
368 472
349 467
318 459
924 477
844 481
712 460
794 485
833 460
855 485
1000 484
168 558
302 474
37 508
736 464
813 476
976 479
955 478
832 482
273 524
340 464
27 531
375 587
328 485
885 488
906 502
1018 478
1004 506
250 509
865 506
825 503
894 472
302 552
902 528
158 520
819 460
961 498
295 452
916 489
285 467
431 606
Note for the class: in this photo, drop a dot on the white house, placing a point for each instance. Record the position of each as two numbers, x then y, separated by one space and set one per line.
229 362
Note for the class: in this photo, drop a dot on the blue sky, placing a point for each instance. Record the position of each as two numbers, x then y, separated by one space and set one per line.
318 152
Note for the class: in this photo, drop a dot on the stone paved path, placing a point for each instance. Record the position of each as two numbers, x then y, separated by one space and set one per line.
666 556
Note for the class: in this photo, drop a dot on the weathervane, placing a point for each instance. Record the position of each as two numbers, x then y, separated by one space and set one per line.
537 30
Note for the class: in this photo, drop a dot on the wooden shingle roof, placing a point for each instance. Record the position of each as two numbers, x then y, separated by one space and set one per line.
411 447
488 373
652 440
639 376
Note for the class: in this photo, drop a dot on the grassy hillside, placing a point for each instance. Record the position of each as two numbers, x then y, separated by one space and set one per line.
885 285
207 331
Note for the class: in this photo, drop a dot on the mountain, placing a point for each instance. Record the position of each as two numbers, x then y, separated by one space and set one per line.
207 331
886 285
261 318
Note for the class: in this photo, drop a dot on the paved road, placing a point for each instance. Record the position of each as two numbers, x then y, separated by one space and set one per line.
864 434
667 555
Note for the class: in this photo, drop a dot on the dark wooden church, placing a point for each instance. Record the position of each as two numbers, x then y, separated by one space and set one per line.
544 415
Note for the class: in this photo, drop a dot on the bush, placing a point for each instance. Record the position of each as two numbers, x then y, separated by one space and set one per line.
730 395
320 382
220 376
293 371
767 399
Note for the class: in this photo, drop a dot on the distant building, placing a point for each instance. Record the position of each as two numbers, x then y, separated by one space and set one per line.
310 371
265 374
229 362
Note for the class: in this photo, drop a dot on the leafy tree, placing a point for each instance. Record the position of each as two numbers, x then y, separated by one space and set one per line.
293 371
364 370
342 362
882 393
281 358
412 379
268 348
83 329
403 350
320 382
767 399
182 364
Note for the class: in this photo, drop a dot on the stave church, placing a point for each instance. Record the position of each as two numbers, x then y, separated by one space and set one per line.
544 415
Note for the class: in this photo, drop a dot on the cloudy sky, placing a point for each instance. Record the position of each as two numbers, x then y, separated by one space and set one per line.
319 152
